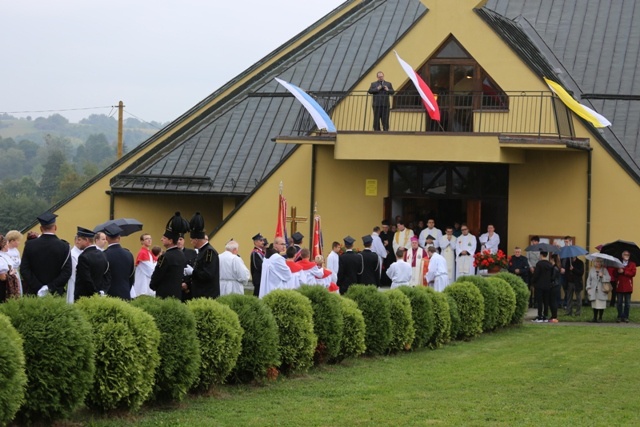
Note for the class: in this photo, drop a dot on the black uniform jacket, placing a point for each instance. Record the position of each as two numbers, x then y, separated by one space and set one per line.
46 261
121 265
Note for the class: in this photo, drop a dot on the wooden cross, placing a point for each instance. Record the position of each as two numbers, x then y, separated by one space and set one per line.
294 220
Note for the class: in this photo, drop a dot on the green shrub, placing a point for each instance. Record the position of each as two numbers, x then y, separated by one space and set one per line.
422 313
179 349
294 317
126 359
470 307
455 316
260 339
403 331
59 353
441 318
327 321
377 317
522 295
13 379
506 300
353 333
490 296
220 336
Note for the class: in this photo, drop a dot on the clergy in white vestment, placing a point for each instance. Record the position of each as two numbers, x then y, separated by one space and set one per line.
448 251
402 237
400 271
465 249
296 269
333 261
377 246
275 272
71 284
490 240
418 259
145 264
234 275
437 274
325 280
431 230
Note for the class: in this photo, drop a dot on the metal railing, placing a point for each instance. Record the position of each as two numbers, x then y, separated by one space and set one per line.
523 113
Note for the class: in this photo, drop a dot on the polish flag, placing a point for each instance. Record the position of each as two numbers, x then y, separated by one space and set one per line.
428 100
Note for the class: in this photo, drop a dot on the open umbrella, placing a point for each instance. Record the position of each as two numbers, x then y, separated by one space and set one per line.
128 225
607 260
616 248
542 247
572 251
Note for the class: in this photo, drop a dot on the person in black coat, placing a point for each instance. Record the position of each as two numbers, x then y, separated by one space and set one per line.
371 264
387 240
46 261
519 265
205 279
573 275
542 279
166 279
350 266
257 256
92 272
190 257
121 264
381 90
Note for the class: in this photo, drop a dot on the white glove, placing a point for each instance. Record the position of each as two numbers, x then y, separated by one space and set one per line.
188 270
44 291
101 293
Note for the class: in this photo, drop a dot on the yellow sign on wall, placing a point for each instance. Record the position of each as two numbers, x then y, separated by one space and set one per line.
371 187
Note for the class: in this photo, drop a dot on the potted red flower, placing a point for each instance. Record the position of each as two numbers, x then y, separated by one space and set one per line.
493 263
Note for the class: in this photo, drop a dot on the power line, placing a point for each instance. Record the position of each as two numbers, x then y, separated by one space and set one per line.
55 111
142 120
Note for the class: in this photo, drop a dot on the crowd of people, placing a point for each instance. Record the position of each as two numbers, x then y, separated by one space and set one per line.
393 255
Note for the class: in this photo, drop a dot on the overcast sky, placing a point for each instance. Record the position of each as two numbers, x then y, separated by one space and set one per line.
161 57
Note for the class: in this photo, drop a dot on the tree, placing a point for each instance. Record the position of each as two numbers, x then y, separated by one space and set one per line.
52 175
96 149
12 163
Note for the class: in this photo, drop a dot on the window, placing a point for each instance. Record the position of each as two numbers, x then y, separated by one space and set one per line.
459 84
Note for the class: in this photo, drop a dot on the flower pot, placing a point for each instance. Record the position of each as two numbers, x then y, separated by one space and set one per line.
494 269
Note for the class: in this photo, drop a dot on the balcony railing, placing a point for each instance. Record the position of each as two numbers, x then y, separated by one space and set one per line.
519 113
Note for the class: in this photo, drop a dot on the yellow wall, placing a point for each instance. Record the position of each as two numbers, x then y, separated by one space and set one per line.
340 192
260 212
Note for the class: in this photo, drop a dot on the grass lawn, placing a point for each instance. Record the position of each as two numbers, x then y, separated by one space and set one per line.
610 315
534 375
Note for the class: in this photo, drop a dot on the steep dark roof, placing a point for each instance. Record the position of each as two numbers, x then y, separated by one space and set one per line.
592 47
230 149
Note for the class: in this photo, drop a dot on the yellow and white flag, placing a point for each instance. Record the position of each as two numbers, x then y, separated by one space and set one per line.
581 110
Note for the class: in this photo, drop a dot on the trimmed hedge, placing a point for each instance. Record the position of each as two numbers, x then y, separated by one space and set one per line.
354 331
13 379
470 307
455 316
402 328
491 302
220 336
327 321
506 300
377 316
59 355
179 349
522 295
422 313
260 339
294 317
126 358
441 318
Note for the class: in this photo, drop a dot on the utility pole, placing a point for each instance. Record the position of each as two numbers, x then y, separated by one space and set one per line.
120 141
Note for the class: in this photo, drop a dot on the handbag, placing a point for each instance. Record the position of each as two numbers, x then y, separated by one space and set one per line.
606 287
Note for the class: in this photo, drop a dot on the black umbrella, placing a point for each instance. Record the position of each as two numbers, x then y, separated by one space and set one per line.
128 225
616 248
542 247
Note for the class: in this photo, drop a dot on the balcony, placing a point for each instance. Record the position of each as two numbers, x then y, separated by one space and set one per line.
530 114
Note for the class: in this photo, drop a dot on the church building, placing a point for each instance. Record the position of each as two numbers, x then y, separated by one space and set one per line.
505 152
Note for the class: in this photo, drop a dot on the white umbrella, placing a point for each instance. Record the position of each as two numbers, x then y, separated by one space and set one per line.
607 260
